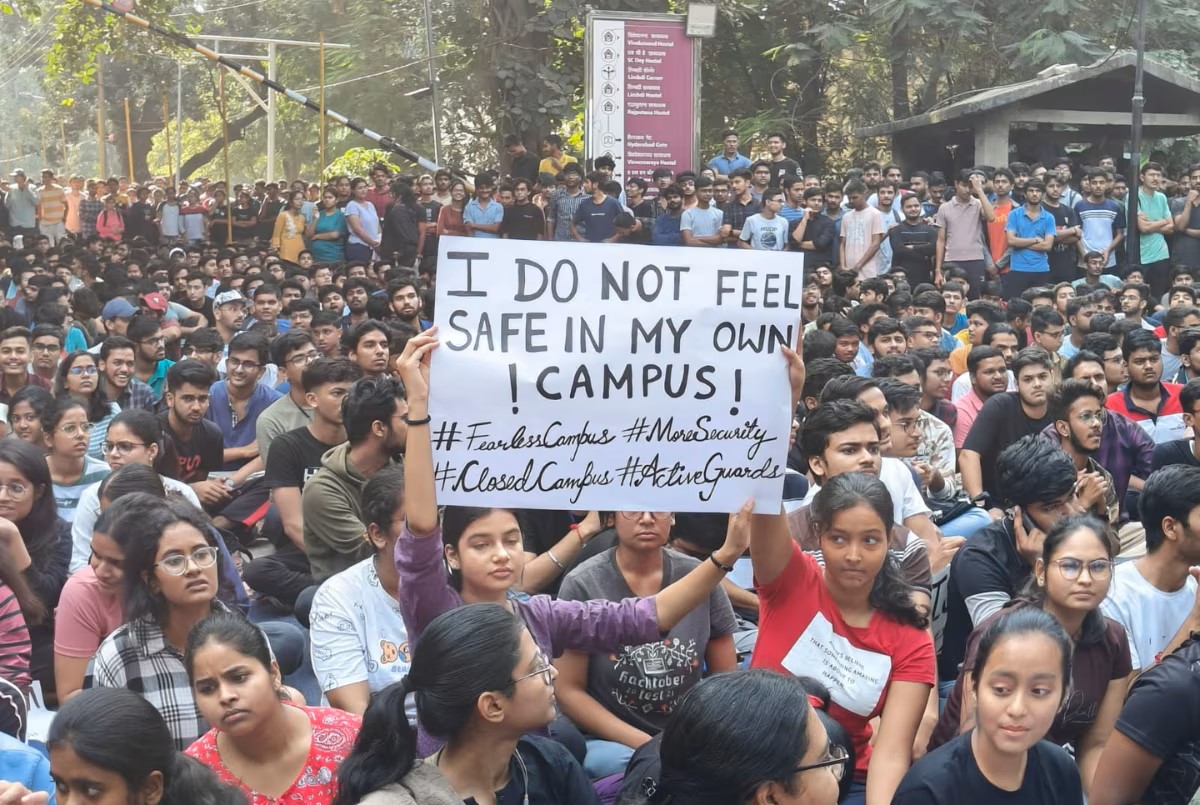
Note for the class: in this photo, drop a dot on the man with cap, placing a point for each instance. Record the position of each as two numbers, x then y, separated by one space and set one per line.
21 202
155 305
115 316
229 314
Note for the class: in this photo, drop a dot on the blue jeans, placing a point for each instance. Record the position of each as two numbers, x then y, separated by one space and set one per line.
966 524
358 253
605 758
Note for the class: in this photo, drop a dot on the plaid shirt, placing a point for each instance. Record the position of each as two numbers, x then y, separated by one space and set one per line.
137 657
561 211
736 213
137 395
89 211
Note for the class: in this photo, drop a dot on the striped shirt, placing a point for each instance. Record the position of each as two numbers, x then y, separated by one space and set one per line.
53 202
15 646
67 495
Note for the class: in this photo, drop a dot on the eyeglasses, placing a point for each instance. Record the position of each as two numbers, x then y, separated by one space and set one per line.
236 365
1099 569
304 359
16 491
1093 417
177 564
78 370
75 430
635 516
909 425
546 670
836 763
45 348
158 339
122 448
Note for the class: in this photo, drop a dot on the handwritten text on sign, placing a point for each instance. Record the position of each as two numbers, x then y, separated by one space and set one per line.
611 377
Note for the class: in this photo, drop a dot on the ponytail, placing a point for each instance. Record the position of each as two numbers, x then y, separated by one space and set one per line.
386 749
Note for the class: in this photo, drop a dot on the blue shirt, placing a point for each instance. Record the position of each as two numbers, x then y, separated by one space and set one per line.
596 220
221 414
21 763
1021 225
475 213
158 380
724 165
666 230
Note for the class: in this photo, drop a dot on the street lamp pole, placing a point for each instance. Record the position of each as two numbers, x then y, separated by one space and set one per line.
433 85
1135 148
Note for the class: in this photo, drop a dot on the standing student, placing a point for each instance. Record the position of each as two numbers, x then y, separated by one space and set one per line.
1154 223
1022 670
768 230
861 233
960 235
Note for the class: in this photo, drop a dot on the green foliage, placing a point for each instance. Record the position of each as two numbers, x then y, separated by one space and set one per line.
358 162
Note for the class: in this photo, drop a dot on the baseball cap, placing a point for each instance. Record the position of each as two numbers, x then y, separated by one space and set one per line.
118 308
176 252
155 301
226 297
17 172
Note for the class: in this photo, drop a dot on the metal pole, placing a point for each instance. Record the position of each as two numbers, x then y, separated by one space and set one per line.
179 124
271 73
129 142
1133 246
101 151
321 167
225 151
62 133
435 91
167 130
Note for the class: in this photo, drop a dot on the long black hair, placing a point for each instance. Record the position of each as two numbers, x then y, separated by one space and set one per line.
146 427
39 528
461 655
730 734
53 414
128 480
119 731
1093 628
97 405
142 535
455 522
891 594
227 629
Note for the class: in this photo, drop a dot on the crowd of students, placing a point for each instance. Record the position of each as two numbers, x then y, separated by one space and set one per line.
217 482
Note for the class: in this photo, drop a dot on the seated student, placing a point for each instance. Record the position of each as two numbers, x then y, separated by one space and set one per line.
1151 756
482 686
980 315
359 642
1155 597
754 736
72 470
1183 451
25 412
134 437
90 607
37 543
858 611
16 597
287 573
261 743
928 443
197 442
1071 577
1004 419
238 401
292 353
612 696
1077 408
483 550
78 379
989 376
1024 664
114 745
375 415
1004 338
1147 400
1037 480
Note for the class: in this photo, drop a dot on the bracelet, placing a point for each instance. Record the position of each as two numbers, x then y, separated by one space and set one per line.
575 527
554 559
412 423
712 557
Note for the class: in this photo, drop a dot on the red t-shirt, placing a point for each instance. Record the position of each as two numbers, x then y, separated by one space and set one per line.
333 736
801 632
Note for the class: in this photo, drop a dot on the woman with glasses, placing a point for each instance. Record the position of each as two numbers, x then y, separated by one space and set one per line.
134 437
482 687
66 428
25 411
259 742
327 231
1021 683
1070 579
483 549
748 737
34 545
622 698
79 377
170 580
90 607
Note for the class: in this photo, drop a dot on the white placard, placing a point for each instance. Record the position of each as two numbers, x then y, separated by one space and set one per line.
612 376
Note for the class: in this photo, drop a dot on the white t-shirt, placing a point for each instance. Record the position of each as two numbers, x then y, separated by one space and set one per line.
962 384
358 634
368 219
766 234
898 478
1150 616
87 512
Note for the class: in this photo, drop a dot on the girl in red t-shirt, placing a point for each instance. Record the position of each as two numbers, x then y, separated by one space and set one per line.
852 626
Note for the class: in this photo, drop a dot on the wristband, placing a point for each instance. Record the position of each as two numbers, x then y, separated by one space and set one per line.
712 557
416 422
554 559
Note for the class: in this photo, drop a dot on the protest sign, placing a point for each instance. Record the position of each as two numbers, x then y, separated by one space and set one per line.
611 376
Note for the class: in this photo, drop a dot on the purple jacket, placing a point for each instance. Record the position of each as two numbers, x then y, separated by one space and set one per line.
555 626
